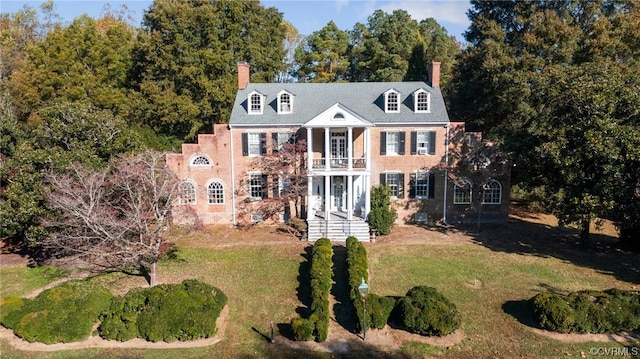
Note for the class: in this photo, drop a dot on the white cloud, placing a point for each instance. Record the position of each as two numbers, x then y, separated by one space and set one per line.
452 12
340 4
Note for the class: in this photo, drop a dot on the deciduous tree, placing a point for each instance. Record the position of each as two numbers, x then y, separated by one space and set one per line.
112 218
285 170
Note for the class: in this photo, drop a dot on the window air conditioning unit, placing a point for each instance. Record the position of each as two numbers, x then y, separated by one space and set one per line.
422 151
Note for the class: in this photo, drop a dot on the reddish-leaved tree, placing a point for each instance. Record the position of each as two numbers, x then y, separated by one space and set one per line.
284 180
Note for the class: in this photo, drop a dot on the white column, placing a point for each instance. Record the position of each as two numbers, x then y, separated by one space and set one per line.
367 146
367 194
327 148
349 197
310 213
350 148
309 149
327 196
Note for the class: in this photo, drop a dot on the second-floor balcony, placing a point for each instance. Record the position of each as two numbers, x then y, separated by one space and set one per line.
340 163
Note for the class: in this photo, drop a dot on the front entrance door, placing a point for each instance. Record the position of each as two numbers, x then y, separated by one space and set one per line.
338 193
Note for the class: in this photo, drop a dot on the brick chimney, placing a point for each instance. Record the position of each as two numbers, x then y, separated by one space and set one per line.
243 75
434 74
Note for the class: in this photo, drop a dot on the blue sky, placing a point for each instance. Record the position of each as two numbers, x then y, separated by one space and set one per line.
306 16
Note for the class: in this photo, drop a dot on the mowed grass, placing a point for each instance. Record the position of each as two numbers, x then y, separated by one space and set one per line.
489 288
261 280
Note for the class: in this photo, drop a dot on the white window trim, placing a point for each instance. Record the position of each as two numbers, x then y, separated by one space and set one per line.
291 97
250 109
258 135
397 142
397 187
195 157
195 192
387 103
458 187
215 180
415 101
259 175
426 175
485 189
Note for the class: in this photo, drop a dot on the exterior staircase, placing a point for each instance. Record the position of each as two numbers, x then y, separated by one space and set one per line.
338 229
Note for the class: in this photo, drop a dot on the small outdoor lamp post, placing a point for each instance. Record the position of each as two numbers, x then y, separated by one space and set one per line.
363 288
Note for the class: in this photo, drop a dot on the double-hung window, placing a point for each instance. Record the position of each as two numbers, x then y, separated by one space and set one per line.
257 186
253 141
423 142
279 139
255 104
422 101
393 143
395 182
422 185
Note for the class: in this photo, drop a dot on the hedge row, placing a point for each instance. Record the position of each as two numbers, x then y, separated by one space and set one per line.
378 308
608 311
317 325
68 312
62 314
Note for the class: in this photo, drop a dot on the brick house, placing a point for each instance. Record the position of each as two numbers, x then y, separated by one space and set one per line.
357 135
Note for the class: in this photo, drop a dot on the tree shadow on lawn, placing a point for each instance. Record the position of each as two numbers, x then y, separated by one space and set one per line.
522 312
528 238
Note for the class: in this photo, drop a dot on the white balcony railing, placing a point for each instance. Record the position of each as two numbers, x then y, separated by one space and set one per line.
338 163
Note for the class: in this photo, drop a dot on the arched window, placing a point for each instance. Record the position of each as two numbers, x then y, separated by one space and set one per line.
492 193
422 101
462 192
285 103
392 103
187 192
200 160
255 103
215 193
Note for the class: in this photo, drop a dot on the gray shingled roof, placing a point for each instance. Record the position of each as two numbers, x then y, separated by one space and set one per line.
364 98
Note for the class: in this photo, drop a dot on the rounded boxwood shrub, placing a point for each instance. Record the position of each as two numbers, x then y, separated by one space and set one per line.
62 314
553 312
166 312
608 311
425 311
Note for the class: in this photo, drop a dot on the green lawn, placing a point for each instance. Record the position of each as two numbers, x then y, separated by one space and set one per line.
488 283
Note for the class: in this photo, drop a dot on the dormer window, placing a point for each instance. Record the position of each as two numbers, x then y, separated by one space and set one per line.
285 102
422 101
256 103
391 101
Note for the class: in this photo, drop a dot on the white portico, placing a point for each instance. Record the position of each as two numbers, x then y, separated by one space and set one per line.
339 173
